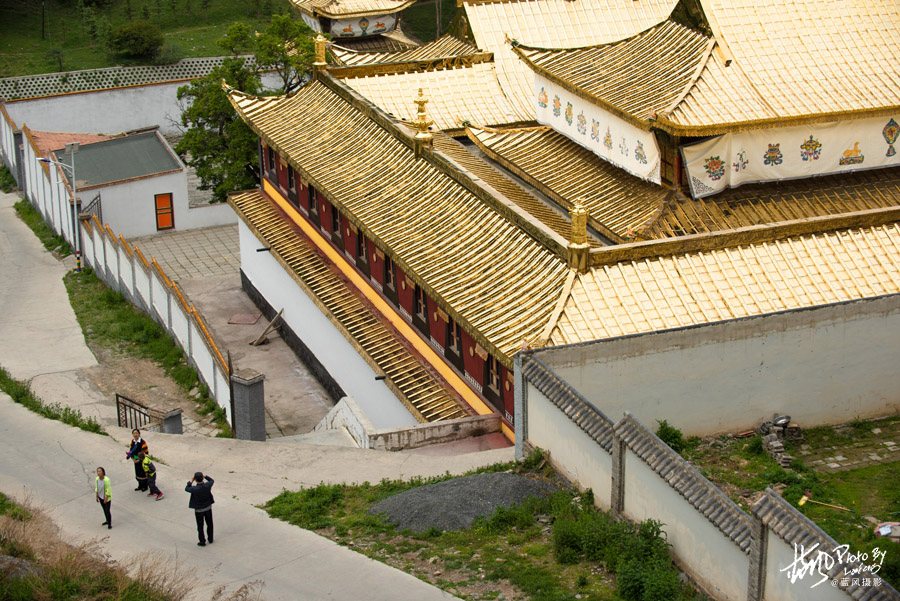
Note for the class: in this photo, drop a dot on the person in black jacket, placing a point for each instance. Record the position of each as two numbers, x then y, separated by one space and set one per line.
138 445
201 502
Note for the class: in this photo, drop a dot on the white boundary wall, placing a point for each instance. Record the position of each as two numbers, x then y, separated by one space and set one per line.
125 270
334 352
823 365
733 555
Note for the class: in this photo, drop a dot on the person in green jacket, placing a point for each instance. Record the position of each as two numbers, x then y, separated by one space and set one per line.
150 470
103 492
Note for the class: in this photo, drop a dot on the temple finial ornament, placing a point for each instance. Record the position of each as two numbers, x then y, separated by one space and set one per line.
422 122
579 249
320 53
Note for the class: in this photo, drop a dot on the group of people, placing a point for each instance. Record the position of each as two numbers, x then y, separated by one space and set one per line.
199 487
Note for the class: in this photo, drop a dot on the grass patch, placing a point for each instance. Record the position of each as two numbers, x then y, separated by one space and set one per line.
546 549
189 29
7 181
110 321
20 392
49 238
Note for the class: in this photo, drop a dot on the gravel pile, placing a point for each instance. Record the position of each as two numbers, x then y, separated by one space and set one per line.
454 504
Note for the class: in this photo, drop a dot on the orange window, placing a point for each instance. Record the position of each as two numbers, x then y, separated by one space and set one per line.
165 212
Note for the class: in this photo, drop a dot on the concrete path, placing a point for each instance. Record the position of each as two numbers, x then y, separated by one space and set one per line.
53 464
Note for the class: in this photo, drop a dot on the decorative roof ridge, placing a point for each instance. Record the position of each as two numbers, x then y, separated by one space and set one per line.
336 44
558 309
582 412
795 529
411 66
745 236
704 496
506 130
701 66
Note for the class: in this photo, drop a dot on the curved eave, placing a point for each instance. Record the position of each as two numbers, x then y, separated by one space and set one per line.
681 129
324 12
638 122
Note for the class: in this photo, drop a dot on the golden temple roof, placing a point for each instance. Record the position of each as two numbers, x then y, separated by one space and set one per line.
484 270
455 95
444 47
345 9
554 24
620 205
673 291
773 64
636 77
754 204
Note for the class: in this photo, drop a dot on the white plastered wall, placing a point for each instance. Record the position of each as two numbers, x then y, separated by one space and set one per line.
338 356
714 560
578 456
780 555
823 365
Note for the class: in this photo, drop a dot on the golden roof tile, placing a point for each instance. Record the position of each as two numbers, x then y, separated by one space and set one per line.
634 78
455 95
444 47
343 9
395 41
488 273
657 293
554 24
620 205
754 204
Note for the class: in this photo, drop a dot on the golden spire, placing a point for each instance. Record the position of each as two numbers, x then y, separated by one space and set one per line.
320 53
422 122
579 249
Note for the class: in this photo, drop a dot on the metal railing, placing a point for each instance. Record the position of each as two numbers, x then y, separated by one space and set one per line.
93 208
133 415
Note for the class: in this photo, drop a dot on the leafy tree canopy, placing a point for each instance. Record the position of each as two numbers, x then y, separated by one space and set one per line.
138 39
217 143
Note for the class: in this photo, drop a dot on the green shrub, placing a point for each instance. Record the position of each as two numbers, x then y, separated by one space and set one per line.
7 181
661 582
754 448
670 435
138 39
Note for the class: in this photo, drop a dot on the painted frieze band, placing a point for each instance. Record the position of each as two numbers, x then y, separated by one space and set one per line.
610 137
733 159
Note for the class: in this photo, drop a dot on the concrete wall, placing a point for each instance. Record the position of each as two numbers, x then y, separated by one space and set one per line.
333 351
115 262
129 209
103 111
573 453
780 555
715 562
823 365
108 111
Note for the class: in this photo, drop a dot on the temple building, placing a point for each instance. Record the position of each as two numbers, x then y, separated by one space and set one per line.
372 25
561 173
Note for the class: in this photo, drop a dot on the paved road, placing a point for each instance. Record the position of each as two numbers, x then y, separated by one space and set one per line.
53 464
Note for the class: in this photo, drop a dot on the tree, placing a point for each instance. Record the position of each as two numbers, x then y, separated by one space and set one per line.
217 143
286 47
138 39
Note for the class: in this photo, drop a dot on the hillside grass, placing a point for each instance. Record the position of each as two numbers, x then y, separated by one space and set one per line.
184 24
190 30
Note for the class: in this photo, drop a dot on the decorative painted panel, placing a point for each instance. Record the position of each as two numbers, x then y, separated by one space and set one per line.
790 152
363 26
608 136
